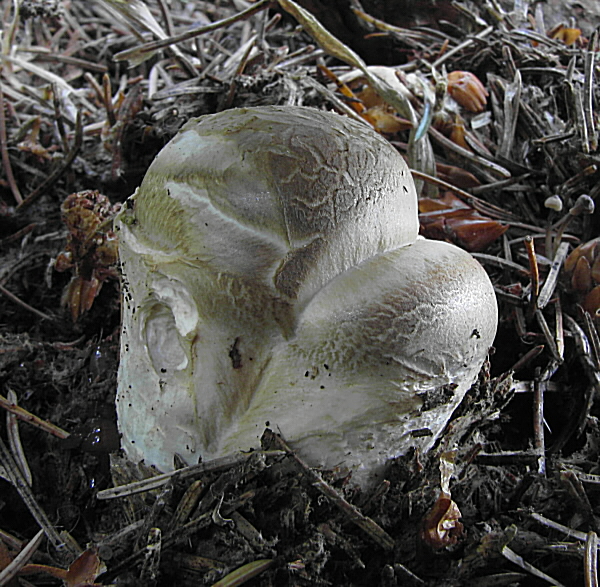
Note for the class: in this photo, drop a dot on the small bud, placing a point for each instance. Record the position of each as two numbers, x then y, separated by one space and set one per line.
467 89
591 302
582 276
554 203
583 205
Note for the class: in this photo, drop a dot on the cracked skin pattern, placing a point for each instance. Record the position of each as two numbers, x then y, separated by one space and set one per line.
299 189
272 272
427 326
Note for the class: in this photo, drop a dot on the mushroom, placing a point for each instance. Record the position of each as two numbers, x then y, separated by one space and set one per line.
273 275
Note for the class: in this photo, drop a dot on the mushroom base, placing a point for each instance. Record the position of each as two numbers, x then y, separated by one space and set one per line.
376 363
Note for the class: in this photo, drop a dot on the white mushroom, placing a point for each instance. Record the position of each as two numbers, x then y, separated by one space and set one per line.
272 275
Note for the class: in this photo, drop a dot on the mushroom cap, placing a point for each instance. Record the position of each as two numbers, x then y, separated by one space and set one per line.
304 194
272 272
382 356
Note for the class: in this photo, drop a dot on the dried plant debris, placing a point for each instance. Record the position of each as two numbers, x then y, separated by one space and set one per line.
91 248
494 106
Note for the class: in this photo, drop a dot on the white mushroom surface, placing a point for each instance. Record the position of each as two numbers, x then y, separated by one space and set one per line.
272 275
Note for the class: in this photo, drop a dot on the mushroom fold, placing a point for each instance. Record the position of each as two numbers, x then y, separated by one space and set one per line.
272 274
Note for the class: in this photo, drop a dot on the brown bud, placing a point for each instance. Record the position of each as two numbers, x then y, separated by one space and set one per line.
581 280
467 89
591 302
475 234
589 250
